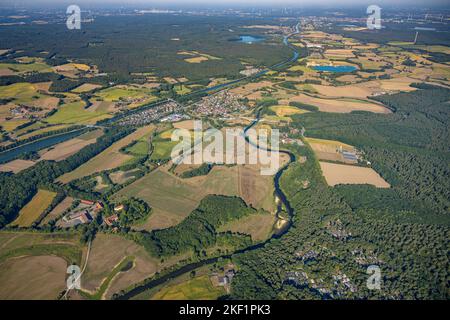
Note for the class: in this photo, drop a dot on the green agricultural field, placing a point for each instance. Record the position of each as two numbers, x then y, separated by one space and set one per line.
22 93
162 149
139 148
26 67
115 94
74 113
10 125
199 288
182 89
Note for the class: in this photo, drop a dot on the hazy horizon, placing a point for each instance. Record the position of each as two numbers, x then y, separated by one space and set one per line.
232 3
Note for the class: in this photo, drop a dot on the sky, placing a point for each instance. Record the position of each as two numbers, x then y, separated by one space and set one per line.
293 3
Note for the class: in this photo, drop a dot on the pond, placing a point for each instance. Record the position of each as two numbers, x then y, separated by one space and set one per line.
335 68
250 39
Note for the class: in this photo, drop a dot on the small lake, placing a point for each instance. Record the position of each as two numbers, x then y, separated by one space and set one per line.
250 39
12 154
335 68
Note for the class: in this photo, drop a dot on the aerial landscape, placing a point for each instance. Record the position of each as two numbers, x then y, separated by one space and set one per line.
185 150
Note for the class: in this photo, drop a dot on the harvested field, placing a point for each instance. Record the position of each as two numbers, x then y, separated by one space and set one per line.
110 158
337 105
344 174
58 210
32 278
86 87
187 124
339 53
16 166
65 149
34 208
390 85
352 91
251 87
106 252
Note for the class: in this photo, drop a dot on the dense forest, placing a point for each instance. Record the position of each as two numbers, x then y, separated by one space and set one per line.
342 230
107 43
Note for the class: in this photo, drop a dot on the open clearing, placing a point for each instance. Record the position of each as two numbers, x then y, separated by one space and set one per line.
344 174
32 278
120 177
258 226
199 288
110 158
34 208
329 149
283 112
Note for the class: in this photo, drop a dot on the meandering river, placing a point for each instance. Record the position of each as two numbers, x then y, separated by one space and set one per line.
284 202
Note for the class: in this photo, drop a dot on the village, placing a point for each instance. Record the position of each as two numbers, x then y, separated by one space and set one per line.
221 104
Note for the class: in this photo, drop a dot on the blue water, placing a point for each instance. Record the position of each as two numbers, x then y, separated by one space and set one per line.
250 39
424 29
335 68
38 145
